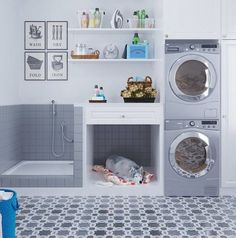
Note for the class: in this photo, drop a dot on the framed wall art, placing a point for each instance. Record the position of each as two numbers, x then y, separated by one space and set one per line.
35 66
57 35
35 35
57 66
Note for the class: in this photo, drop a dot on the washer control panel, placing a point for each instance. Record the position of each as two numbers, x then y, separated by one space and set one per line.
180 46
186 124
202 124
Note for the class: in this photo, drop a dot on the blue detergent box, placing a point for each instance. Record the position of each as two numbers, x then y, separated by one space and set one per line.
137 51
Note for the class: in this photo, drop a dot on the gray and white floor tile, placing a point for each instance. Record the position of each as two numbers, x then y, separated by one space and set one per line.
127 217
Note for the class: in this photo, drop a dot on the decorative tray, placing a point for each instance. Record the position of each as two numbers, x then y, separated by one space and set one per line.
91 56
97 101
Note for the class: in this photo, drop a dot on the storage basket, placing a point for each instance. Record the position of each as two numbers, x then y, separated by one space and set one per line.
139 91
8 210
146 83
91 56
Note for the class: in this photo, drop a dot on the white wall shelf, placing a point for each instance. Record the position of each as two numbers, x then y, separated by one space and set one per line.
114 60
111 30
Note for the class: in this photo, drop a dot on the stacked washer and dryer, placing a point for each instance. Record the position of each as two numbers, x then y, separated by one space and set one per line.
192 113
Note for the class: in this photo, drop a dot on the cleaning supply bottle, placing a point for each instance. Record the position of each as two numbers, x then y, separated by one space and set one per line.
101 93
84 20
97 18
146 24
136 39
91 19
96 91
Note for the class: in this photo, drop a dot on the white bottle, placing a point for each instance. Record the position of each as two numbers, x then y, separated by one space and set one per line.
79 49
96 91
84 50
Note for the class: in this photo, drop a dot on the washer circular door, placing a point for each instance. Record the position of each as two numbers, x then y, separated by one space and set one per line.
192 78
191 155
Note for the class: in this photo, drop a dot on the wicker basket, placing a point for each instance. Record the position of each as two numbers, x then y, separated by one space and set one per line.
92 56
146 83
139 91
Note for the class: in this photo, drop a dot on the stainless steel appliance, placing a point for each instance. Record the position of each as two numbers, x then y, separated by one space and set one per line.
192 157
192 87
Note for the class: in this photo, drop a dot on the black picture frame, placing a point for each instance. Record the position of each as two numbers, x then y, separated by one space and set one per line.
47 60
45 63
47 43
44 34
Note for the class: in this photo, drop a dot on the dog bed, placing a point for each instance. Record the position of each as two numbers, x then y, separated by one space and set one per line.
110 177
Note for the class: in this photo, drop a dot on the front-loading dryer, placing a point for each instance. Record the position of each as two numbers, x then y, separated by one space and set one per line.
192 88
192 157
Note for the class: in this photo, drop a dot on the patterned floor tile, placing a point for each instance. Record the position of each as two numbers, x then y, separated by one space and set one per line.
126 217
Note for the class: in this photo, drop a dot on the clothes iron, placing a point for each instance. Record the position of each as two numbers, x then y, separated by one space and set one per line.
117 19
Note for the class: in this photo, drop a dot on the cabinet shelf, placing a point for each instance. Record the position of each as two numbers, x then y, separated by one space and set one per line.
114 60
111 30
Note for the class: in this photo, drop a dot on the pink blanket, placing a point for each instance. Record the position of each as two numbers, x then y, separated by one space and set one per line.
110 177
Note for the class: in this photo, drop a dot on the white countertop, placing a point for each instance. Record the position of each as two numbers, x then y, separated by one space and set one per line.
155 105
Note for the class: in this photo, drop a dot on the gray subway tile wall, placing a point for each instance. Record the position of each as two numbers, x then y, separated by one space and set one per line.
37 131
10 136
78 146
26 132
132 141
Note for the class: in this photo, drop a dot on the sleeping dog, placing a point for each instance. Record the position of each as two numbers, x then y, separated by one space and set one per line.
125 168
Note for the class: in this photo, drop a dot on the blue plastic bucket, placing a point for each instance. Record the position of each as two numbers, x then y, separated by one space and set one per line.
8 210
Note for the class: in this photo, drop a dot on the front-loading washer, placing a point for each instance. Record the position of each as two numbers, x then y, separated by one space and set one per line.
192 88
192 154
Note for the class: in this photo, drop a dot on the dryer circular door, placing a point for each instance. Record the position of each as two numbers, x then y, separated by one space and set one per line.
192 78
191 155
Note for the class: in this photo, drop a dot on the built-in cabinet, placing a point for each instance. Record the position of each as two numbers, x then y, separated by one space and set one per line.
228 19
192 19
111 128
228 158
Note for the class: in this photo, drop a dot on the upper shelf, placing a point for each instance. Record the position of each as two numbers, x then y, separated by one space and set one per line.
111 30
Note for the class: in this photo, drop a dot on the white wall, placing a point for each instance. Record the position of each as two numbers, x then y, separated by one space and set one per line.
11 43
83 76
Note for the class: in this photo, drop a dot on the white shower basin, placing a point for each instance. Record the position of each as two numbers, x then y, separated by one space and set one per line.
41 168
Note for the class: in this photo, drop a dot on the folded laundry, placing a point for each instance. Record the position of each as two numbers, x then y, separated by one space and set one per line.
110 177
5 195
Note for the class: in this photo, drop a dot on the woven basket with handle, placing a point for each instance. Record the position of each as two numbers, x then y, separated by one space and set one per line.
146 83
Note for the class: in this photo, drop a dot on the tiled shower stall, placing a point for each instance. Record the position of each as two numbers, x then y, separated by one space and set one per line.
26 135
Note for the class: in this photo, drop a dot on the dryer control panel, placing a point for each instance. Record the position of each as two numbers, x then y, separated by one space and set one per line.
181 46
186 124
